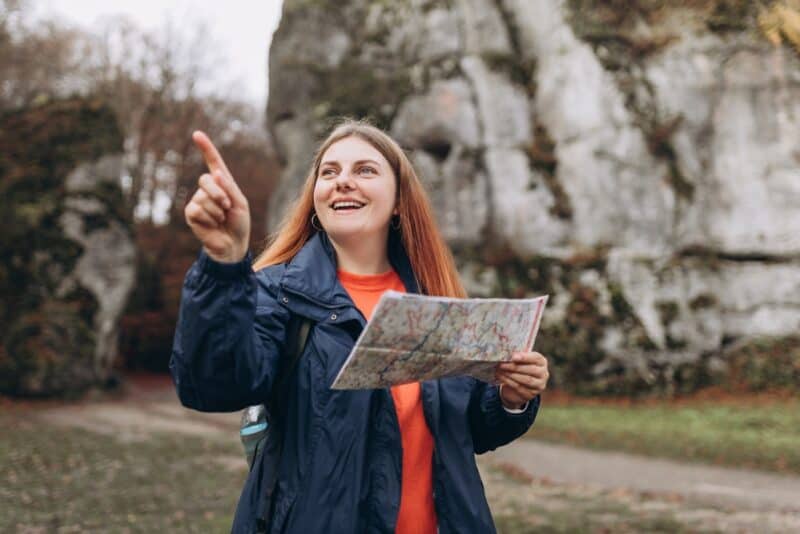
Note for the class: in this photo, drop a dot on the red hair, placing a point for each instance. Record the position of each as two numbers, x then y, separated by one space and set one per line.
427 251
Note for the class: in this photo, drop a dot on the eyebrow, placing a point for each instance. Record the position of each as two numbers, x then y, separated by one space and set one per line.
359 162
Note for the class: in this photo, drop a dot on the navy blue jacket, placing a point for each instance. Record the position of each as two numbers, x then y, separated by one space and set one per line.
341 465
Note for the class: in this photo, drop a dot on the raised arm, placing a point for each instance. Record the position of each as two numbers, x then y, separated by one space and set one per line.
230 329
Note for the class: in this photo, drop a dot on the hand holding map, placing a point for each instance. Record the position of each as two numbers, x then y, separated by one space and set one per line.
414 337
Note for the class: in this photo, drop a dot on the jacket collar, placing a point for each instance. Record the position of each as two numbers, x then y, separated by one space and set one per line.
312 272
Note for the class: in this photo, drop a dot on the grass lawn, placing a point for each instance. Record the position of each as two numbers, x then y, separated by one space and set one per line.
71 480
761 435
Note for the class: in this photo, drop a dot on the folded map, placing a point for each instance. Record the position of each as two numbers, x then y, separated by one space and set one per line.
414 337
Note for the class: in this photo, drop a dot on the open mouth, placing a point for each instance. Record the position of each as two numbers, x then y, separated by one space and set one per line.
344 206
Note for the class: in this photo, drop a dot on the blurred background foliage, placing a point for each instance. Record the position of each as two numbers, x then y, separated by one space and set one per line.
155 85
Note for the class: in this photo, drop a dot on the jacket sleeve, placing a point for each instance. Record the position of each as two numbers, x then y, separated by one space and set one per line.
492 425
230 333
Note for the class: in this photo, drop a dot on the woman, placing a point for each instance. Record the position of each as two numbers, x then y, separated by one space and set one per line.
392 460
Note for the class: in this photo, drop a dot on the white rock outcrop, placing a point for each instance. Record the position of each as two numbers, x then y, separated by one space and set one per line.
677 175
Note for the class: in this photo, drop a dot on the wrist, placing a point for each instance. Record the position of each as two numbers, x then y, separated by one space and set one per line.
511 405
514 407
230 257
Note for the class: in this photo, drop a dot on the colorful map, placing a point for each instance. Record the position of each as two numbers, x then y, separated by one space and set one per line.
413 337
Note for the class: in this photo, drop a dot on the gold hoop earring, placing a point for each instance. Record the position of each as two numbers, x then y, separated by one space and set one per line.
316 226
395 223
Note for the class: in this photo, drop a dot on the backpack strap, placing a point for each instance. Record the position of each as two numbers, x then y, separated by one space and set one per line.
297 331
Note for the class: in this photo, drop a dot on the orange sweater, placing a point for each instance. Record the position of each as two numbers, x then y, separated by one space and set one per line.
417 514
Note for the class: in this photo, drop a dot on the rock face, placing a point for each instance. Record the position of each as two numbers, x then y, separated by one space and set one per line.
638 163
68 258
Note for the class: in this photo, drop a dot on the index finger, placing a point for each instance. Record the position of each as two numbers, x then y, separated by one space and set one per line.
534 358
210 153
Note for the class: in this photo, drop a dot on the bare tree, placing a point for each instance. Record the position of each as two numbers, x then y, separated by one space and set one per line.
161 84
158 95
37 62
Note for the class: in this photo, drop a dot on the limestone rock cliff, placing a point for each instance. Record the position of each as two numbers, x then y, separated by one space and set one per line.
637 161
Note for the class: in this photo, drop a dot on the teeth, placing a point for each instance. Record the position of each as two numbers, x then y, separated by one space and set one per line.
340 205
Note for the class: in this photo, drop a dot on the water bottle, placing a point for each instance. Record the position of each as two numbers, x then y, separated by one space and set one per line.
252 430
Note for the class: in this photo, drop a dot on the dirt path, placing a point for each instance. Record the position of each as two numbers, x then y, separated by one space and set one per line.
748 489
613 488
143 410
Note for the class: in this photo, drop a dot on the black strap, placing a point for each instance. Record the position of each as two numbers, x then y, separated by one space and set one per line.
296 337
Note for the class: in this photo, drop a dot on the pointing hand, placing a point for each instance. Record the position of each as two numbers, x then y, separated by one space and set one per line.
218 213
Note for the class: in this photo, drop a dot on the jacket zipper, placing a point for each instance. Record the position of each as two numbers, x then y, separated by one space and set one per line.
436 490
396 421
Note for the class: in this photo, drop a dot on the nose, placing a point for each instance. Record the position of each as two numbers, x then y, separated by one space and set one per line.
344 181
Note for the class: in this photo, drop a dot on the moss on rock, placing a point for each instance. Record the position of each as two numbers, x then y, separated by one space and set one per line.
590 307
362 91
621 17
765 363
542 159
47 320
574 343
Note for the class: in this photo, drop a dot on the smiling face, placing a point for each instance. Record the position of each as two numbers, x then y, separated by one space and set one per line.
355 191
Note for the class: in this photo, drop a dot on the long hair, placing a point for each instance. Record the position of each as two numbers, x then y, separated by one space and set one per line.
427 251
